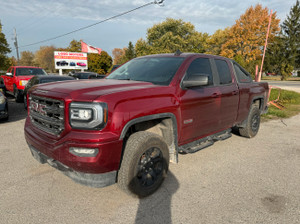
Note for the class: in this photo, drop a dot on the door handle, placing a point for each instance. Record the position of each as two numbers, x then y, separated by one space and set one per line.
235 92
215 95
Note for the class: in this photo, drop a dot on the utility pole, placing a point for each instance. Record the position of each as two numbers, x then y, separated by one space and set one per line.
16 45
266 43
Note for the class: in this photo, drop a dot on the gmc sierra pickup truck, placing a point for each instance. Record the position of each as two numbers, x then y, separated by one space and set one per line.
16 78
127 127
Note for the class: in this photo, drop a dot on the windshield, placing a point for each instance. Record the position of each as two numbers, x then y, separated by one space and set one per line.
30 71
157 70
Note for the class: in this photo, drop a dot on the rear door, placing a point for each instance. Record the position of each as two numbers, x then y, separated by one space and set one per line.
200 106
228 88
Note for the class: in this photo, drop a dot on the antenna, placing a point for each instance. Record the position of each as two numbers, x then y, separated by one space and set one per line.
178 53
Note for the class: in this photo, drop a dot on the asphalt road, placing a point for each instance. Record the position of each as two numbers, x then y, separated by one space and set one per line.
289 85
237 180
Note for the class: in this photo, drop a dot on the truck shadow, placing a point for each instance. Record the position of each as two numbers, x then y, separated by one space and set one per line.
157 207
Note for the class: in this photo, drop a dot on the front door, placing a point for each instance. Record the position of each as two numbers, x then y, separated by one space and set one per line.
200 106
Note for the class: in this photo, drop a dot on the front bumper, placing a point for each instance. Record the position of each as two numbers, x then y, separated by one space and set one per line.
88 179
97 171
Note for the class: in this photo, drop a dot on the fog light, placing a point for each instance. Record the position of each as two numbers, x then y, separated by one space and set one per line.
84 152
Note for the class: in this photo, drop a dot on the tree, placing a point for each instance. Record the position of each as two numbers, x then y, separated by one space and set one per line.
247 36
129 52
170 36
74 46
44 58
12 61
216 41
99 63
27 58
142 48
4 49
277 58
291 32
119 56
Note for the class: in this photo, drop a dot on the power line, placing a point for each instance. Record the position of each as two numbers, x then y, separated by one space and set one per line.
158 2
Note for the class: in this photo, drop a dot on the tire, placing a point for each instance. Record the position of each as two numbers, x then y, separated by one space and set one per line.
18 96
144 165
25 101
6 118
253 123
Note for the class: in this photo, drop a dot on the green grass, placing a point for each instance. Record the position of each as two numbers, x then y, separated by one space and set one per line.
289 99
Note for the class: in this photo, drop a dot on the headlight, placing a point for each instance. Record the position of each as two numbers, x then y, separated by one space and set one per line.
88 115
23 82
2 99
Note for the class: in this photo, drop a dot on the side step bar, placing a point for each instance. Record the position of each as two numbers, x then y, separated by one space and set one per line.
204 142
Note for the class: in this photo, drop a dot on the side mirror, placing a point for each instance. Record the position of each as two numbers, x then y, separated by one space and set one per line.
9 74
195 81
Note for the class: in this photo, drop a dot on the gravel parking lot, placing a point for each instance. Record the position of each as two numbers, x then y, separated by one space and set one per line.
234 181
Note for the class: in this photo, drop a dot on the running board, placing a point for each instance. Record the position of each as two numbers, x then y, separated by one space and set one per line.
204 142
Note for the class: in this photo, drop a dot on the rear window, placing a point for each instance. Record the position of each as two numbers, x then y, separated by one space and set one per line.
224 72
30 71
241 74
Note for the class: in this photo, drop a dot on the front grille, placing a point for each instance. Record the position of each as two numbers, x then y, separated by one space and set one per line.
47 114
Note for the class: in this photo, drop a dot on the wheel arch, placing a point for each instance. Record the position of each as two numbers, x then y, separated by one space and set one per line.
259 100
164 124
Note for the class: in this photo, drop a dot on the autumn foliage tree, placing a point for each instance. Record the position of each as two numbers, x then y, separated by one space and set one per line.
119 55
27 58
247 36
216 41
44 58
99 63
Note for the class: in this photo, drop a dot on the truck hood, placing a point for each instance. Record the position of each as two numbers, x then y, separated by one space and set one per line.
89 90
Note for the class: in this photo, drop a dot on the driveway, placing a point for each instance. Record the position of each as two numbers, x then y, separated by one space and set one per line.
234 181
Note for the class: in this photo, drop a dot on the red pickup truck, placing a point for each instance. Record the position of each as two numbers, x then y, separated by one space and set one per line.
127 127
16 78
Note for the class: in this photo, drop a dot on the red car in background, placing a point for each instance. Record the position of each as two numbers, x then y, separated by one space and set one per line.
81 64
16 78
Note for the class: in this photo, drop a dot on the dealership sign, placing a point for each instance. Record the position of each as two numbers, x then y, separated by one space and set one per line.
70 60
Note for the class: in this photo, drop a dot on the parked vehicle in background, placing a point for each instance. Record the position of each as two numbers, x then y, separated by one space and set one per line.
81 64
72 63
127 127
271 74
3 107
86 75
17 77
61 63
43 79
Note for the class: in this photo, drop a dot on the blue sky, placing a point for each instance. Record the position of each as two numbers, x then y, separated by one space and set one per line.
37 20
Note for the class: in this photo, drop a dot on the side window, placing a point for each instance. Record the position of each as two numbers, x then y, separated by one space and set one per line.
223 71
242 76
12 71
200 66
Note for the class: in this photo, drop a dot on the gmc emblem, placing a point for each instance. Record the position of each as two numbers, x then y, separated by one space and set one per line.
39 108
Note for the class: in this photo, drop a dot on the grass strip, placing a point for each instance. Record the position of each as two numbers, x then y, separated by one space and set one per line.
289 99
